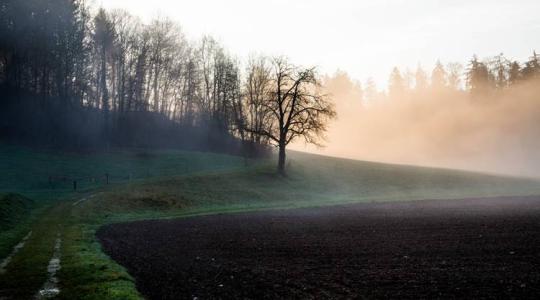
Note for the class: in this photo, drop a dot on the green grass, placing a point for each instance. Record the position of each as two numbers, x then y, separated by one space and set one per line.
27 271
170 184
26 171
312 181
16 215
87 273
14 209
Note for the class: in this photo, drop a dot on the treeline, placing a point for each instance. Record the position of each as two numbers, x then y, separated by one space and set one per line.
71 77
76 78
481 115
479 78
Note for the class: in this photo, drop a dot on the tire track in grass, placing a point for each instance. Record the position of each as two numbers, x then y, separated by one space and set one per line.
50 287
28 269
16 249
83 199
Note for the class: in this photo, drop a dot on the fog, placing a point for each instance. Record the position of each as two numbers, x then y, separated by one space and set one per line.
495 131
103 85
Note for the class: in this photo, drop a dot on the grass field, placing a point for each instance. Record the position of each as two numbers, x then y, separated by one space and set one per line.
16 214
27 171
165 184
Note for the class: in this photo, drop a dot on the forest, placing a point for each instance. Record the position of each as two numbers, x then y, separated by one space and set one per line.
75 77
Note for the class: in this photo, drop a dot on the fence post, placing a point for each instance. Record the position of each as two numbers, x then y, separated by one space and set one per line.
107 177
75 185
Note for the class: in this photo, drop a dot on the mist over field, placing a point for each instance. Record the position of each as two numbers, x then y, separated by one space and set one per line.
494 131
208 149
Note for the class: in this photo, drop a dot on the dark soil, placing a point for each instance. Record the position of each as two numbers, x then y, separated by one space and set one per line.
474 248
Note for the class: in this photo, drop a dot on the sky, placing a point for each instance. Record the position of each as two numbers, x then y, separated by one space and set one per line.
363 38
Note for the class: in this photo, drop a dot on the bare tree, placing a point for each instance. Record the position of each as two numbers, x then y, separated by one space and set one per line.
297 107
257 90
104 38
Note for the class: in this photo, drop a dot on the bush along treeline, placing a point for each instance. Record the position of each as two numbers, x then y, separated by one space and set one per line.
73 76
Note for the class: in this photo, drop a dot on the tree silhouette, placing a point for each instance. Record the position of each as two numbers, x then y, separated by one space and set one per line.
396 84
454 75
421 81
478 77
296 107
514 73
532 67
438 77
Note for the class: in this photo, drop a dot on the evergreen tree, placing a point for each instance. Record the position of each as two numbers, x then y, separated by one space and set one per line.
499 66
478 77
438 77
396 86
532 67
370 90
514 73
421 81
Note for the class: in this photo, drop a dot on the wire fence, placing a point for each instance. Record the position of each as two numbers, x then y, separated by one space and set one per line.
78 182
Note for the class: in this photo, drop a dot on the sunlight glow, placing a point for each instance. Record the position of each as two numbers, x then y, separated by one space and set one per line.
363 38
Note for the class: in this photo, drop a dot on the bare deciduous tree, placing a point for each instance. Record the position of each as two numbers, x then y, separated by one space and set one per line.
296 108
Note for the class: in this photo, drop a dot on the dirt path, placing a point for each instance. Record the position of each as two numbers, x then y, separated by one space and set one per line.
29 267
476 248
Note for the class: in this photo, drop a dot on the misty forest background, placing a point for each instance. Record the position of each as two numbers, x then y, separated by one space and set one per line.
76 77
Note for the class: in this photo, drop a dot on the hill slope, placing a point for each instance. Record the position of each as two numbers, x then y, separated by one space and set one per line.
13 208
173 184
312 181
41 174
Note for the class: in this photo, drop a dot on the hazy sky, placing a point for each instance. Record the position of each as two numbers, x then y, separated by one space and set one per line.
364 38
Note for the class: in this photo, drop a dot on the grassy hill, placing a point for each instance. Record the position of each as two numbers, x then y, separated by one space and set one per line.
15 215
41 174
13 208
165 184
312 181
36 194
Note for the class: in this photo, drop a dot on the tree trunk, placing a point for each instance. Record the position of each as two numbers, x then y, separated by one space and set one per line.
281 159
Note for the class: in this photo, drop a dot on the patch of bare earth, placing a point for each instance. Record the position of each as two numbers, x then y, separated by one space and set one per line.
473 248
